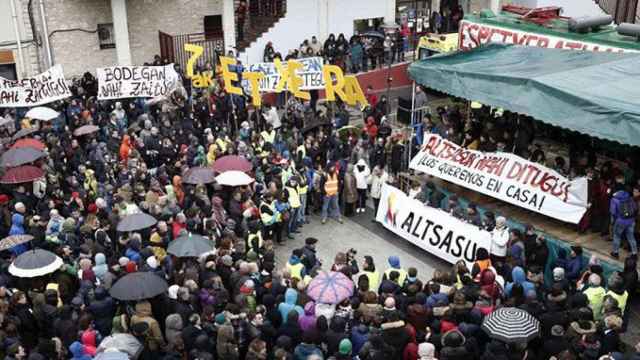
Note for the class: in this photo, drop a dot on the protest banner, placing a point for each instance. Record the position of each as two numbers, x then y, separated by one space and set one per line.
432 230
504 176
117 82
40 89
311 74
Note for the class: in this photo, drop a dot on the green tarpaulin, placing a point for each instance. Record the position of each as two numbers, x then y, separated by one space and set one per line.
595 93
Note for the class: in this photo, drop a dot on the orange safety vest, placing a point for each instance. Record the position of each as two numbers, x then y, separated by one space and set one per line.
331 185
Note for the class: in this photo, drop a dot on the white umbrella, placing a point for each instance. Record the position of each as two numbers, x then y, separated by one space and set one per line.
234 178
42 113
34 263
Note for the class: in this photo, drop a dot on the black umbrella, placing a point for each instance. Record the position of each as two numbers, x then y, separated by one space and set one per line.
34 263
14 240
190 245
20 156
511 325
136 222
372 34
138 286
24 132
199 175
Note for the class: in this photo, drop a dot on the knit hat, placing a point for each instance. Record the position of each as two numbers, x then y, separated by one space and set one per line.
394 262
247 287
558 274
123 261
131 267
426 350
220 319
345 347
20 207
390 303
227 260
172 292
557 330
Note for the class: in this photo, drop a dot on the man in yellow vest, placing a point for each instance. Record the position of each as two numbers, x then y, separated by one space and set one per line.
268 215
394 265
329 187
294 201
295 267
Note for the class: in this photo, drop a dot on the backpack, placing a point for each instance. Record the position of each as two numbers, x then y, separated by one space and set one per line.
627 208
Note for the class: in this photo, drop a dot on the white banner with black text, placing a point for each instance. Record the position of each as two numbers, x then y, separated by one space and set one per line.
433 230
118 82
40 89
504 176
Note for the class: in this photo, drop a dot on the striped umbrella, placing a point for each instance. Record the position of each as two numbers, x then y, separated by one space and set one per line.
330 287
511 325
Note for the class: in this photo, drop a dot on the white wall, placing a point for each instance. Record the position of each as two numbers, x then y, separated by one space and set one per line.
306 18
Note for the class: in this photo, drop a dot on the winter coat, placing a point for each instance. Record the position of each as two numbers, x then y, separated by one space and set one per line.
173 329
143 314
396 336
303 351
377 181
519 277
350 190
361 173
618 198
100 269
290 298
103 309
17 228
225 344
78 351
307 321
359 336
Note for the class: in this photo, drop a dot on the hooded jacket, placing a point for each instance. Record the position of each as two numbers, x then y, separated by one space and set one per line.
100 269
143 314
17 228
77 349
307 321
519 277
290 298
173 328
361 173
103 309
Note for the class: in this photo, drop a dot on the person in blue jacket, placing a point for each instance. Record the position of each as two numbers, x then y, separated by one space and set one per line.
290 299
519 277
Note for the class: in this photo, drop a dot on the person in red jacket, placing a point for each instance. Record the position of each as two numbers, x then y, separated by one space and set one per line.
371 128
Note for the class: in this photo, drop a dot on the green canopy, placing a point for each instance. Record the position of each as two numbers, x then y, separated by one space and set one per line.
595 93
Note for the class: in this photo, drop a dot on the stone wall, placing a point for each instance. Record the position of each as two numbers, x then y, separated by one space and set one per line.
79 50
147 17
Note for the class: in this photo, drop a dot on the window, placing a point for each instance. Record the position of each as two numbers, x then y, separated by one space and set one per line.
213 27
106 37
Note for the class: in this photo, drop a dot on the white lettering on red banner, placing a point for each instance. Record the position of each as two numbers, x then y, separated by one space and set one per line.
474 34
118 82
433 230
504 176
40 89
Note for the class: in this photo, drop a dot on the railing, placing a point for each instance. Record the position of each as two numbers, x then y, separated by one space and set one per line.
172 48
260 16
621 10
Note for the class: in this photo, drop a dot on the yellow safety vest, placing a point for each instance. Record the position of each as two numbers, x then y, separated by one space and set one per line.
286 175
374 280
250 239
294 198
295 270
622 299
331 185
401 278
302 190
266 218
269 137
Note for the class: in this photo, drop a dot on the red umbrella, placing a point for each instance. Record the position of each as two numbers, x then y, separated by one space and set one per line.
232 163
28 142
21 174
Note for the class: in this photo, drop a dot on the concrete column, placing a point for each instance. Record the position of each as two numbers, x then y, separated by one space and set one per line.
323 19
390 13
229 25
121 31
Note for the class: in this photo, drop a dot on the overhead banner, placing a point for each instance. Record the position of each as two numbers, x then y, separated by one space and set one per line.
473 35
40 89
504 176
311 74
433 230
117 82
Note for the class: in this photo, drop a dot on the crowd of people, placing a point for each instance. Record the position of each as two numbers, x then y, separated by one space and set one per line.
235 302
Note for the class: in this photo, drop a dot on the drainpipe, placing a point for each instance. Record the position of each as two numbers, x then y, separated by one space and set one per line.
45 35
16 31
